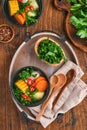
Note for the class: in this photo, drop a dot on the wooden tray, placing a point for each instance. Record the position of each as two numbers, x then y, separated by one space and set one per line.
25 56
69 28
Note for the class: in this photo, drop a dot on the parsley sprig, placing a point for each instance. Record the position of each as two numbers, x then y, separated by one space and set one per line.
79 16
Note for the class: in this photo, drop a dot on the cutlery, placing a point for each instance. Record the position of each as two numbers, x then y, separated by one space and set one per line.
57 82
71 74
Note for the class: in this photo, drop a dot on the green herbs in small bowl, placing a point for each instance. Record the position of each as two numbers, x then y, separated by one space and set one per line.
49 51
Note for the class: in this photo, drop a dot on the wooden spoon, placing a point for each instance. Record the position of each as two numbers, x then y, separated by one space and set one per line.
71 74
57 83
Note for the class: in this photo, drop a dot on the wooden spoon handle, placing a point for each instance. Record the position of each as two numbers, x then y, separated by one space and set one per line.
43 108
71 74
61 82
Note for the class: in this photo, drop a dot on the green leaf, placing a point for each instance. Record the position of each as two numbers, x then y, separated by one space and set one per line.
83 14
78 22
23 5
26 73
73 1
75 7
30 20
79 16
82 33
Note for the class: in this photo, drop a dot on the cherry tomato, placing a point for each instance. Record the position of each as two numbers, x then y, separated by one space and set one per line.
31 7
32 89
27 9
29 81
27 98
34 84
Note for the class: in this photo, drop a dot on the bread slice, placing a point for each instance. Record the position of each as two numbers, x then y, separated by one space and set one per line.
36 50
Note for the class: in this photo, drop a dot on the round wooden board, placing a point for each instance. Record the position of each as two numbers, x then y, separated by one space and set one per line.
81 43
71 32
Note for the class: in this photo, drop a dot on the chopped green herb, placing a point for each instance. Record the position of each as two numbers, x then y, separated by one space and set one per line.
17 92
50 52
30 19
34 75
25 74
23 5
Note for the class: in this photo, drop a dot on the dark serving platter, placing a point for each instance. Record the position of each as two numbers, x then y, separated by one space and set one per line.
25 56
12 19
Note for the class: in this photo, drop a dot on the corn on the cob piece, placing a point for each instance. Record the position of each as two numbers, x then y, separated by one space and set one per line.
13 6
21 85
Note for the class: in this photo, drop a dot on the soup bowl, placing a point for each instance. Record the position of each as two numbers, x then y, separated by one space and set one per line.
24 14
30 86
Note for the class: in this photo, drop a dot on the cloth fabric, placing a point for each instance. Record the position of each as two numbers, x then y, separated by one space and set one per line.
72 95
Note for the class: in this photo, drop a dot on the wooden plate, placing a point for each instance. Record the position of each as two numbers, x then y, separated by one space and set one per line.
26 56
81 43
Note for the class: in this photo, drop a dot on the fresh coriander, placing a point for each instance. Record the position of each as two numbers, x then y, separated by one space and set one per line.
26 73
79 16
30 20
50 52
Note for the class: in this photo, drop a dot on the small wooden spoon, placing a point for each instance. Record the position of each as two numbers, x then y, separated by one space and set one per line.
71 74
57 82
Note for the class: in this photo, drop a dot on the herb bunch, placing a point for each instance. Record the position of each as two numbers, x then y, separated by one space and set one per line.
79 16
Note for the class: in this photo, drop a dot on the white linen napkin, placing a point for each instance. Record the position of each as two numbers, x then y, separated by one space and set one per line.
72 95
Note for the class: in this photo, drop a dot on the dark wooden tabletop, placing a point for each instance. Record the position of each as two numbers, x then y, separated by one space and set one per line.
10 117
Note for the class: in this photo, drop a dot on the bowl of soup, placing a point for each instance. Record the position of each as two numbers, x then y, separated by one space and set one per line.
30 86
22 12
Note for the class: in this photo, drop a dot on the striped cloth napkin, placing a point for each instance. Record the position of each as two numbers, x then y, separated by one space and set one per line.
72 95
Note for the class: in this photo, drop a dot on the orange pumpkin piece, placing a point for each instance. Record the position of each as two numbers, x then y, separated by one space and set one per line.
42 85
23 15
20 18
39 79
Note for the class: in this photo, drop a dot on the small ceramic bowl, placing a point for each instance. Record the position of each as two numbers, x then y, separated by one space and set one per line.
28 97
12 19
6 33
37 44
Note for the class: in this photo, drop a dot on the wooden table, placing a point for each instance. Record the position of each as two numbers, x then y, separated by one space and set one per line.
10 117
